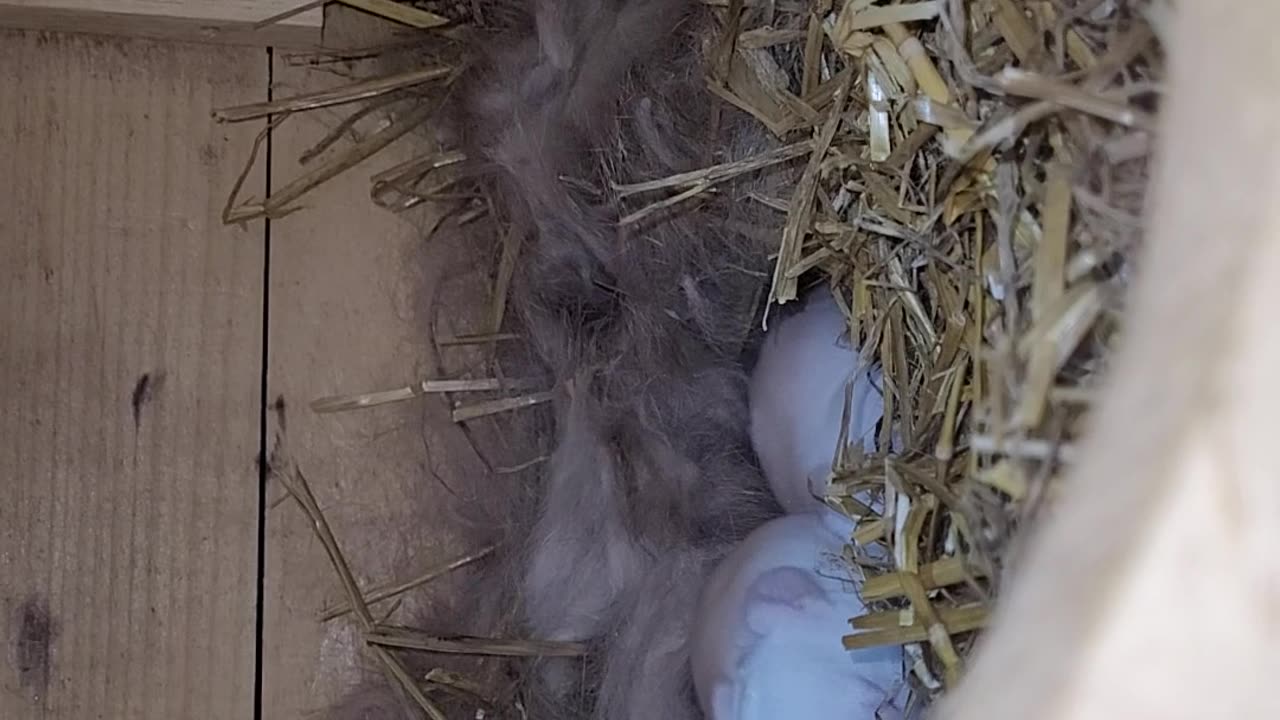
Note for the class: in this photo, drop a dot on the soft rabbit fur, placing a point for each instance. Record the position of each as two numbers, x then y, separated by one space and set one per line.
653 479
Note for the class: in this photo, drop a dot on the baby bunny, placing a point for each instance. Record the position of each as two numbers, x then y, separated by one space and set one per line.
797 397
767 641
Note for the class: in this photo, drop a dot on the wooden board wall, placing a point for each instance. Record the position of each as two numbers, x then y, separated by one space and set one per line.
219 21
132 346
351 292
130 353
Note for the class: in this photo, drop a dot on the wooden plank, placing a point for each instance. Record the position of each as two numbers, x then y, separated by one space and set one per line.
349 288
220 21
130 328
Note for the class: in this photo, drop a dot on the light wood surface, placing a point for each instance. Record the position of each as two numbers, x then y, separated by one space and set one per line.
129 538
351 310
221 21
130 354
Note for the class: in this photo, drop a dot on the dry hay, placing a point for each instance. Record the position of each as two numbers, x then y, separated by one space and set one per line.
973 188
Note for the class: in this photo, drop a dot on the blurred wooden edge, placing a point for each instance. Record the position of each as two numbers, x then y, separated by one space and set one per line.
1154 589
230 22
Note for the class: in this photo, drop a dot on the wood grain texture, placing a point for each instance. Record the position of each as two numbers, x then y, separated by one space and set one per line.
130 350
221 21
349 290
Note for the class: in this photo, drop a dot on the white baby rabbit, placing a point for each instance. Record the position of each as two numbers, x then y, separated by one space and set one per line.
797 397
767 637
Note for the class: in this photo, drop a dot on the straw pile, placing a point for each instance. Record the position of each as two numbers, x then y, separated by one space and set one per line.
973 190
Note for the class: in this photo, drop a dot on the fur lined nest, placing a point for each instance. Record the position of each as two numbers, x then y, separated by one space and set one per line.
971 181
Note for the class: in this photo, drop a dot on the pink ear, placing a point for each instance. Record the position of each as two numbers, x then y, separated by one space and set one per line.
779 595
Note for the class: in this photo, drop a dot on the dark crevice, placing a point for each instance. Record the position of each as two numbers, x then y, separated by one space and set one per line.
263 467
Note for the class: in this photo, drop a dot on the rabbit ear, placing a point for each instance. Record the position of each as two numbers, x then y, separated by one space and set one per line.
779 596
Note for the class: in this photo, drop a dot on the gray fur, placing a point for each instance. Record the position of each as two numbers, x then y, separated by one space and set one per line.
581 554
652 479
647 671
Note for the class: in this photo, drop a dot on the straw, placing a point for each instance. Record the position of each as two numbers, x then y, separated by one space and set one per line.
974 173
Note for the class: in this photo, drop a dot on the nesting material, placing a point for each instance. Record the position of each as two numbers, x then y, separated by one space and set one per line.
972 177
978 207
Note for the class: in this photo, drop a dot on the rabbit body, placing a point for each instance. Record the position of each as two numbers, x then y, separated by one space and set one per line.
767 641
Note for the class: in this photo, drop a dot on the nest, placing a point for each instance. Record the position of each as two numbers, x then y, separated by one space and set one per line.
974 174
